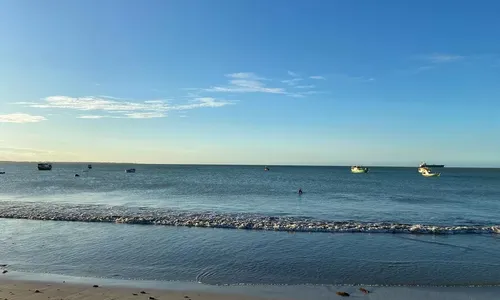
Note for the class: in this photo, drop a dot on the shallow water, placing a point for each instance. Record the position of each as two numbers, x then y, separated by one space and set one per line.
461 201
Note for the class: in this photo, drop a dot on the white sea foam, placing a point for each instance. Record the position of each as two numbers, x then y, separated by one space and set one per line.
150 216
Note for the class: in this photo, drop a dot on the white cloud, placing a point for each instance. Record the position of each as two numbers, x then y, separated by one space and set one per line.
292 82
21 118
121 109
317 77
245 75
91 117
246 83
202 102
442 58
145 115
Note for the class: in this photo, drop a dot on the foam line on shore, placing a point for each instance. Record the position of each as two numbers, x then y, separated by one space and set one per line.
151 216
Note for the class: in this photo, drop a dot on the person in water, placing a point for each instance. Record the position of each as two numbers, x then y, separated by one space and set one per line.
300 191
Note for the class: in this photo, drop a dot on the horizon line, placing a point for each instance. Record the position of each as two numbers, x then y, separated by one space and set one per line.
245 164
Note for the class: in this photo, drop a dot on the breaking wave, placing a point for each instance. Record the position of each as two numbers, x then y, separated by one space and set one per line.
151 216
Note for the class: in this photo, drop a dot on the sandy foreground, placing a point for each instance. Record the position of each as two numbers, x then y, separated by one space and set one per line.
20 290
35 290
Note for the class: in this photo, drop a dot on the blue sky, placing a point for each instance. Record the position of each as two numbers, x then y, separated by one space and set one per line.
258 82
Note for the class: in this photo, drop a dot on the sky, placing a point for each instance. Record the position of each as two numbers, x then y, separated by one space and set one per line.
251 82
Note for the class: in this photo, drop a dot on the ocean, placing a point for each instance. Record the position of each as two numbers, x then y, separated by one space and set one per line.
233 225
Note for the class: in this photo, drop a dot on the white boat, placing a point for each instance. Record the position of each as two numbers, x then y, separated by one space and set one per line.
130 170
358 169
422 169
428 173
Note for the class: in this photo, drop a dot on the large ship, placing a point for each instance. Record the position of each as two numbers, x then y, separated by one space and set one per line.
44 167
425 165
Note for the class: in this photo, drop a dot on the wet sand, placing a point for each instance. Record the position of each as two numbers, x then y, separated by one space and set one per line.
24 290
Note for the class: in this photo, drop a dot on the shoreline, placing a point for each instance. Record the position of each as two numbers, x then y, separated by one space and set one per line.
19 285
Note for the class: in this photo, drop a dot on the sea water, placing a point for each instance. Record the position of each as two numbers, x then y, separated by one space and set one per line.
244 225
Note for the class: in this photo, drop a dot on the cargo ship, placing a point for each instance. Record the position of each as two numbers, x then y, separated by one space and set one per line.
425 165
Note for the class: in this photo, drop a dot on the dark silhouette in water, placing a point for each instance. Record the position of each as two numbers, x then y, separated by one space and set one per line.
300 192
77 175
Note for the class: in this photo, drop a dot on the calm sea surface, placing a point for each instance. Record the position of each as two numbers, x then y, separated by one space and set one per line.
459 211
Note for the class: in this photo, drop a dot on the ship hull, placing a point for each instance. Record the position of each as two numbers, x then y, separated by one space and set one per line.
359 171
44 167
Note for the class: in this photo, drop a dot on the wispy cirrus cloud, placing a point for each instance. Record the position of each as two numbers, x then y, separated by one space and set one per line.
441 58
348 77
91 117
317 77
292 82
21 118
108 107
248 82
245 82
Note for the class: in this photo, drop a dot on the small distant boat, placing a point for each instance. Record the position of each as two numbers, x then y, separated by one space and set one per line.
89 166
426 172
130 170
359 169
425 165
266 169
2 172
422 169
44 167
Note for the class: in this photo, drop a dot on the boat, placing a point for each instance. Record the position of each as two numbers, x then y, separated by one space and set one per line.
130 170
428 173
266 169
44 167
425 165
2 172
89 166
359 169
422 169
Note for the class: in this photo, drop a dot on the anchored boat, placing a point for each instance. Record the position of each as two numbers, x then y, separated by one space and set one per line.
422 169
44 167
428 173
359 169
